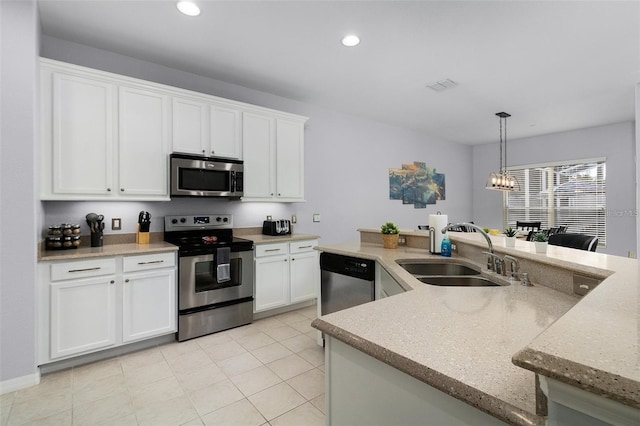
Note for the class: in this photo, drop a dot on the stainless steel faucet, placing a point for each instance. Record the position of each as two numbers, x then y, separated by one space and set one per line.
515 265
491 265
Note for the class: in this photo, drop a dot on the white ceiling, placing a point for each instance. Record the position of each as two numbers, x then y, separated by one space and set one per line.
553 65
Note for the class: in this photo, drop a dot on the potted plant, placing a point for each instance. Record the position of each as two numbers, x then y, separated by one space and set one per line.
510 237
540 239
390 234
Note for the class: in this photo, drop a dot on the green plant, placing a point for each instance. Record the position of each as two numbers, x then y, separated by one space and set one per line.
510 232
540 237
486 230
389 228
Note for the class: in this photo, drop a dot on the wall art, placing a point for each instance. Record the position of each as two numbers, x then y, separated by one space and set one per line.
416 184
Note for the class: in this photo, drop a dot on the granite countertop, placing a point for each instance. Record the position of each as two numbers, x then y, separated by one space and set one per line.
106 250
462 340
270 239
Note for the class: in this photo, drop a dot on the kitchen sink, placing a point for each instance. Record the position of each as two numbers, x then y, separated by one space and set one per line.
459 281
420 267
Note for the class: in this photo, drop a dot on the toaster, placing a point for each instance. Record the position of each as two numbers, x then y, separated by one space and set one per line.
276 227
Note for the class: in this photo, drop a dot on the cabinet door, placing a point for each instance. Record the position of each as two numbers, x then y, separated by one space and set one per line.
290 159
82 316
82 135
272 283
190 130
143 147
305 276
149 304
258 133
226 132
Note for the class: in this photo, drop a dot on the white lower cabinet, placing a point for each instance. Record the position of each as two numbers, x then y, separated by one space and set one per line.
82 315
285 273
146 300
88 305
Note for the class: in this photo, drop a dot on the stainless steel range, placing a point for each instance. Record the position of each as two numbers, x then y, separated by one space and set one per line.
215 274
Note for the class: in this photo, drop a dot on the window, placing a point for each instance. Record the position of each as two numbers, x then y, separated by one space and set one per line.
571 194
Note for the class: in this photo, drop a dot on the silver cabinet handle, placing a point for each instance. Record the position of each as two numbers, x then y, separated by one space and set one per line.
85 270
273 250
301 247
127 280
112 282
121 189
151 262
108 189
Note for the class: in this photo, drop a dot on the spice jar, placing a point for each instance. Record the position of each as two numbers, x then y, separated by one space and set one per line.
54 242
55 230
75 229
66 229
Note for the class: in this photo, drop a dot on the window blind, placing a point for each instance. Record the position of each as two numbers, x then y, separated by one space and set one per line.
571 194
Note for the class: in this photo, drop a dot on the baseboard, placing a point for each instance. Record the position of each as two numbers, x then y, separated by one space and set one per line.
18 383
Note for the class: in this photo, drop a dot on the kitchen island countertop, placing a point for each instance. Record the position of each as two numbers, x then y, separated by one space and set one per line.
462 340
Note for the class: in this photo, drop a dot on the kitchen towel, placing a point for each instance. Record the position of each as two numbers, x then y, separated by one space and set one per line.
437 222
222 263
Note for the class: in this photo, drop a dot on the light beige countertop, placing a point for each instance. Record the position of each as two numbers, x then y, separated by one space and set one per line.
271 239
105 250
462 340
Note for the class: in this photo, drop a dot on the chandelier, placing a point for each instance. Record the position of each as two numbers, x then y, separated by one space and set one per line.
502 180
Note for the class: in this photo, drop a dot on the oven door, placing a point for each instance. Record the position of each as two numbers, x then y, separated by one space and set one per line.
198 284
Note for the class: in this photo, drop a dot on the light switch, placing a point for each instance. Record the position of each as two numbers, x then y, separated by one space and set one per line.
316 217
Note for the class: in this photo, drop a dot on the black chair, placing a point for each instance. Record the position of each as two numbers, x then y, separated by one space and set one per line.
576 241
528 226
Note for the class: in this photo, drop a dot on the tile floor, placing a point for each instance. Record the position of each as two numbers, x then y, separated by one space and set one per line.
270 372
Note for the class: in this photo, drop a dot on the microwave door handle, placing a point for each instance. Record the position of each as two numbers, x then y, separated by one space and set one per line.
233 182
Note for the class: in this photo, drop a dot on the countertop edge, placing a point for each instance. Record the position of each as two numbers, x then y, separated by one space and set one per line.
259 239
484 402
621 389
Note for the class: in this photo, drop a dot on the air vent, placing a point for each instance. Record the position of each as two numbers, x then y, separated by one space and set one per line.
441 85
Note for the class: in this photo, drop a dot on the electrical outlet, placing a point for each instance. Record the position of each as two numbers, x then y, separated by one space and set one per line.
116 224
316 217
294 218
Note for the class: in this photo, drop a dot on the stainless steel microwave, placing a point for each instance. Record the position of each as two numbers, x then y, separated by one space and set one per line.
194 176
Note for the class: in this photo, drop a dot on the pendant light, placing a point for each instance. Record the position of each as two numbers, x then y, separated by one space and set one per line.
502 180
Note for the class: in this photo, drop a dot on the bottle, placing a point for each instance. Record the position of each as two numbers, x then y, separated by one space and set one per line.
445 247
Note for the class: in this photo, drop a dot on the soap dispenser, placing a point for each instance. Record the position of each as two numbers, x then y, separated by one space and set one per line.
445 248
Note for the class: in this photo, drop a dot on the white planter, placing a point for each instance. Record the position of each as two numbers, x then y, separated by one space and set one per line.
509 241
541 246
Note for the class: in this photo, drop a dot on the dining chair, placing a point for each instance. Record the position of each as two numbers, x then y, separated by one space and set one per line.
528 226
576 241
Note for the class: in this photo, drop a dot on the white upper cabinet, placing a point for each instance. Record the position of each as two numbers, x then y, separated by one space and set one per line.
108 137
101 138
142 143
258 136
80 143
202 127
273 158
190 129
289 160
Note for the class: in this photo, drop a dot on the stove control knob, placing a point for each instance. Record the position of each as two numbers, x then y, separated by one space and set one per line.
218 219
183 220
226 219
174 221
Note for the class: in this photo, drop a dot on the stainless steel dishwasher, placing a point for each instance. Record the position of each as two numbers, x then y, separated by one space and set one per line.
345 282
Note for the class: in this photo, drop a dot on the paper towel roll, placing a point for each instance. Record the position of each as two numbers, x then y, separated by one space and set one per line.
437 222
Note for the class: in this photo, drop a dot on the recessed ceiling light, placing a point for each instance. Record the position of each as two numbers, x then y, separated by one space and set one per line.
351 40
188 8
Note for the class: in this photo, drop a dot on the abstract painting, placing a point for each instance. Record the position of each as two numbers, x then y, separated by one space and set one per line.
416 184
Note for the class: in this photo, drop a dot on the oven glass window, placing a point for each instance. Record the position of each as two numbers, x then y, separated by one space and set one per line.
204 180
207 275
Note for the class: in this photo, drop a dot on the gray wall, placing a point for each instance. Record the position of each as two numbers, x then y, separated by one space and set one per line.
346 162
19 211
616 142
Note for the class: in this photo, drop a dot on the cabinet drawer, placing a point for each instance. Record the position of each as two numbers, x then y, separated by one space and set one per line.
83 269
302 246
149 261
263 250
